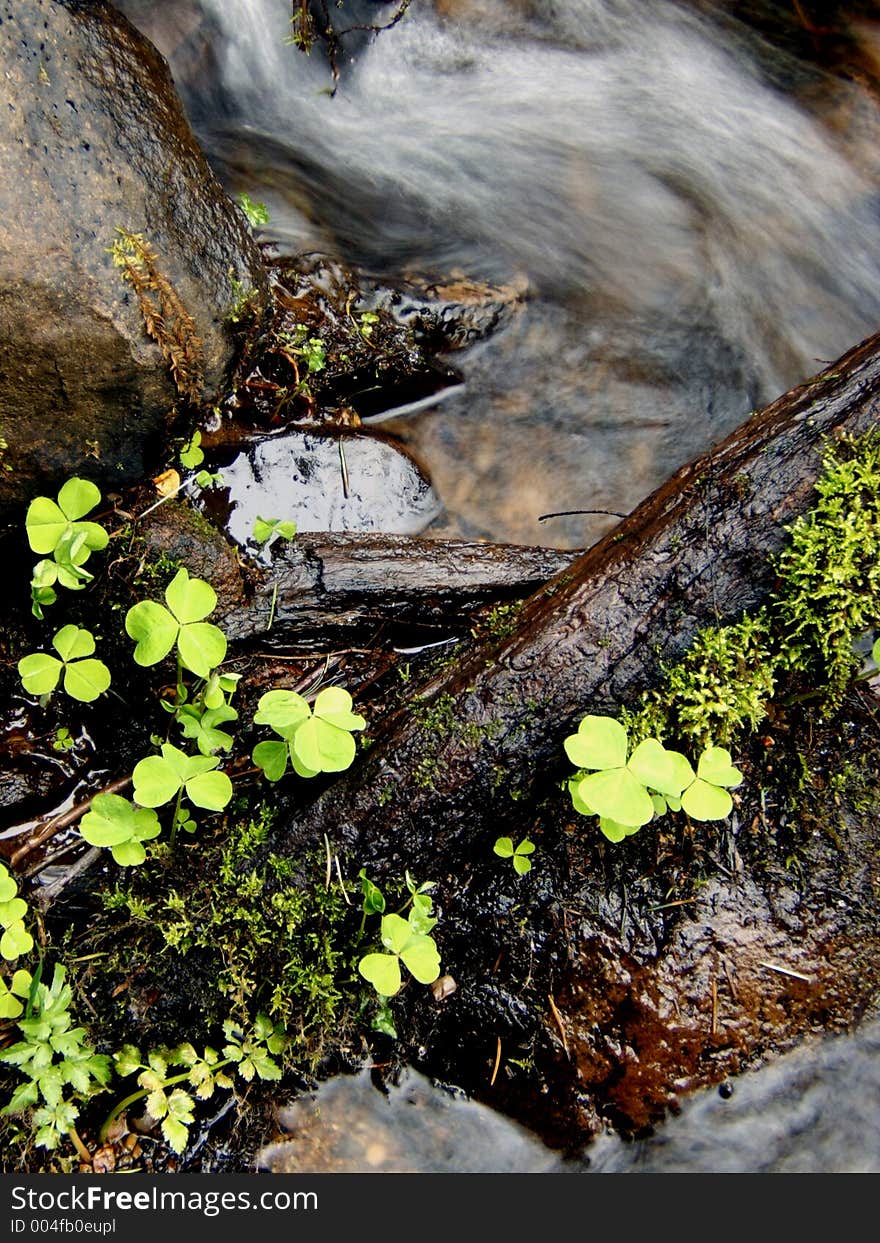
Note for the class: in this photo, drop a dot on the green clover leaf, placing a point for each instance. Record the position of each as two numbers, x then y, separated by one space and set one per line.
201 646
201 727
115 823
159 778
84 679
48 524
266 528
707 797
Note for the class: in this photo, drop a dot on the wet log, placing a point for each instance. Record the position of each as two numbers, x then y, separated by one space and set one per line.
616 995
697 551
336 588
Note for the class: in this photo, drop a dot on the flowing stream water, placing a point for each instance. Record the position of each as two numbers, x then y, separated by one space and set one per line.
694 218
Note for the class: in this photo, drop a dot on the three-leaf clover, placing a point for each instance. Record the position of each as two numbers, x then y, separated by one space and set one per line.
114 822
56 528
14 994
201 646
317 739
417 952
617 789
192 454
707 797
202 726
505 848
159 778
84 678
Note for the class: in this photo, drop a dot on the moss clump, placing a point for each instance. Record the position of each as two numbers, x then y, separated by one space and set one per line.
830 573
721 687
250 937
828 593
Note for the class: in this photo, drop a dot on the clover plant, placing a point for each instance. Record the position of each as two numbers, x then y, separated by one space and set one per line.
16 940
316 739
201 646
14 994
160 778
626 790
406 941
84 678
114 822
56 528
192 454
505 848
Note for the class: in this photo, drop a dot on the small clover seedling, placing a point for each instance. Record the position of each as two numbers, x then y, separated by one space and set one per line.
202 726
160 778
16 940
316 739
505 848
84 678
115 823
707 797
192 454
265 529
417 951
201 646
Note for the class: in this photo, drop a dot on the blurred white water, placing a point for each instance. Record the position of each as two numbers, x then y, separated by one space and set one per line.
698 233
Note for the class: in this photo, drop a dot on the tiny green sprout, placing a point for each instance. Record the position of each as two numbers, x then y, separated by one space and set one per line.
314 353
504 847
208 479
201 646
16 940
63 741
257 213
368 321
267 528
316 739
192 455
84 678
159 778
202 726
43 591
416 950
114 822
374 900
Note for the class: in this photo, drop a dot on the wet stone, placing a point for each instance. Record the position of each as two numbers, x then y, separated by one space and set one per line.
351 1126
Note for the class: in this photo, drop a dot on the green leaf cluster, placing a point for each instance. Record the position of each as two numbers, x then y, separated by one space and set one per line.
405 941
257 213
16 940
628 789
247 1053
84 677
192 454
56 529
160 778
114 822
201 646
266 529
505 849
314 738
53 1056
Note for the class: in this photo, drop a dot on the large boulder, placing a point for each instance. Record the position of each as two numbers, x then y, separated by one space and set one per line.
94 141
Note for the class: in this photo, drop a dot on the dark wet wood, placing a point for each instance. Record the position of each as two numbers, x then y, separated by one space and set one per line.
329 588
698 550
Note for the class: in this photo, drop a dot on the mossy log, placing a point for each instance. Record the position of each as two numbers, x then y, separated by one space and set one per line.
612 978
698 551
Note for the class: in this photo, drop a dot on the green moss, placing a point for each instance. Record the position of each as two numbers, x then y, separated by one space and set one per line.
253 936
828 593
830 572
720 688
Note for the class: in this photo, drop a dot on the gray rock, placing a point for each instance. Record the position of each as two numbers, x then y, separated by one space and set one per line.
93 140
